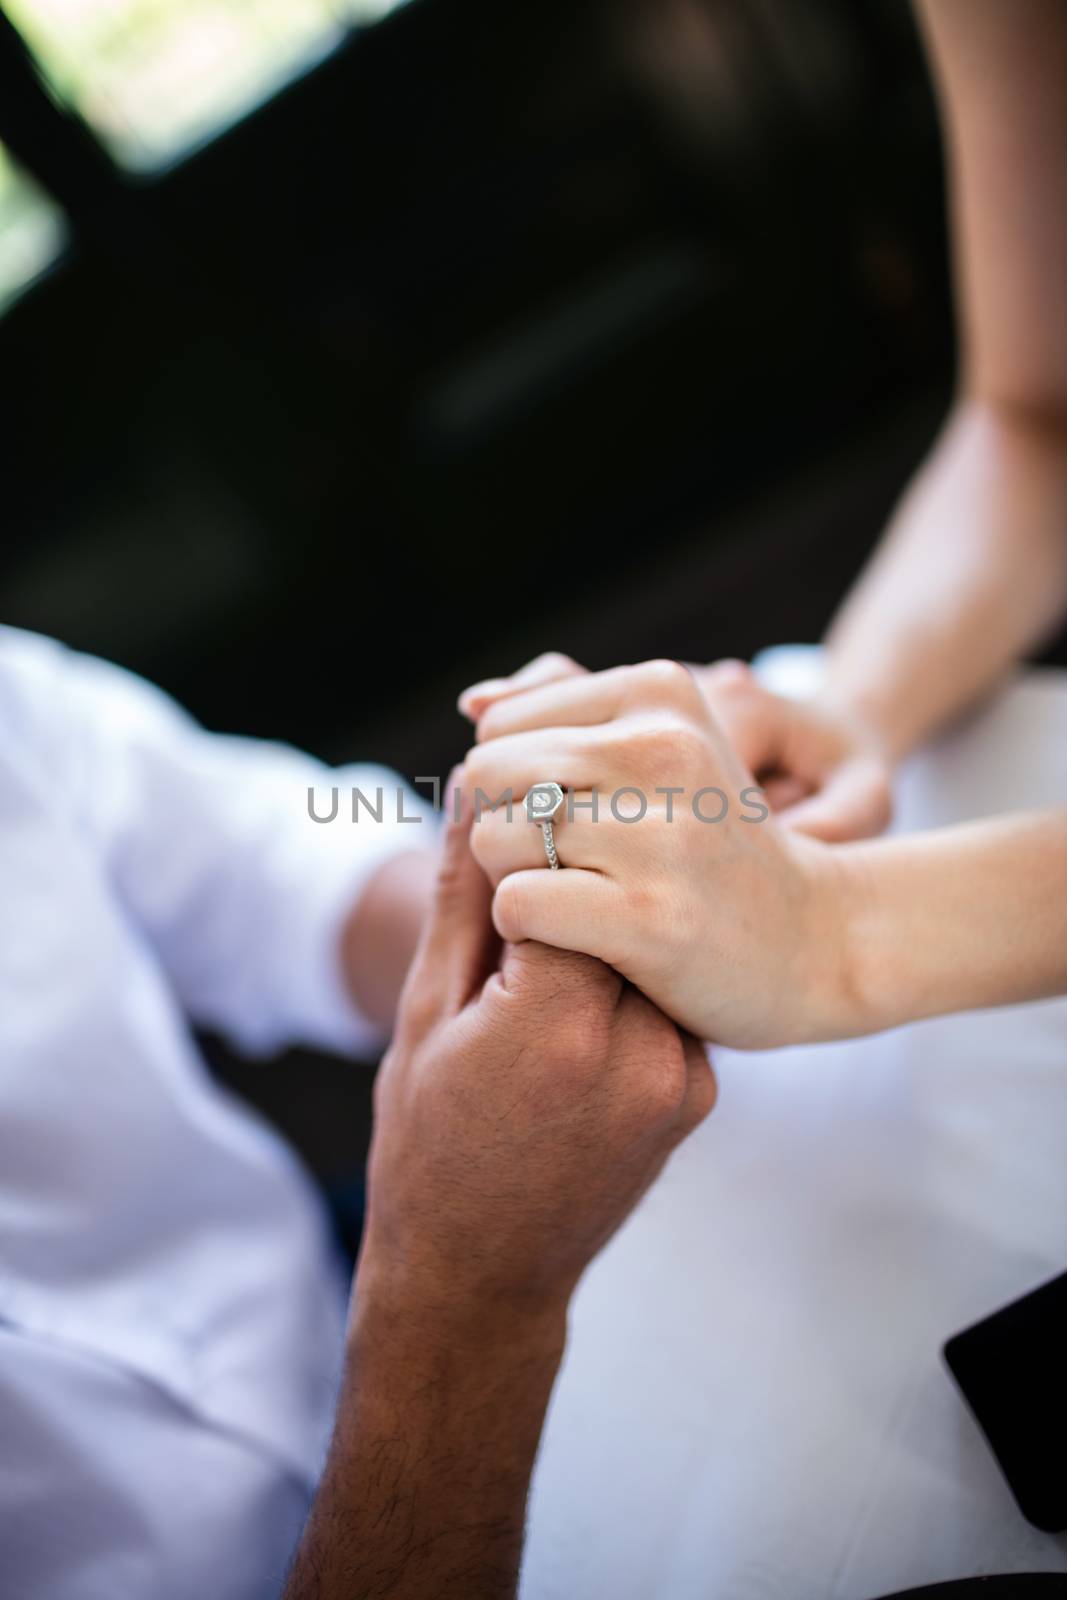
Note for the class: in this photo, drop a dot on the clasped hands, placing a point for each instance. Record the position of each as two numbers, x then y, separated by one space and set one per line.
531 1094
732 916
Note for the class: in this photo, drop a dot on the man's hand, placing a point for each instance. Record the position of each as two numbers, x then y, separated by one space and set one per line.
527 1102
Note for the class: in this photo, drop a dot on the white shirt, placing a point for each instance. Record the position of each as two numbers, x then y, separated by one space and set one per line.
753 1404
171 1309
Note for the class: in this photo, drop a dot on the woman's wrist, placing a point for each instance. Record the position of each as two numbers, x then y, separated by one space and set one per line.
961 917
841 981
870 711
971 574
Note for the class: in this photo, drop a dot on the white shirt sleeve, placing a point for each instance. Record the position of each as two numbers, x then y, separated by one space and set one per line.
210 845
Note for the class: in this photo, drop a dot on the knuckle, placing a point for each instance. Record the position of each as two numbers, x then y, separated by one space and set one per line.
572 1041
570 1010
495 828
554 661
702 1096
668 1080
420 1014
667 680
476 765
485 845
591 1013
726 678
491 796
581 983
473 768
590 984
729 676
660 1081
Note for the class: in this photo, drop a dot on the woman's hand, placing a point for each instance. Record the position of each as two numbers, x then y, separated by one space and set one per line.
821 769
679 879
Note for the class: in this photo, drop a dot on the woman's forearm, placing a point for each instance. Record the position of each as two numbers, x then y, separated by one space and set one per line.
951 920
971 574
973 571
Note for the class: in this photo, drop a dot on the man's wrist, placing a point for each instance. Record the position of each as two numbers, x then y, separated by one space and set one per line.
432 1319
382 929
438 1421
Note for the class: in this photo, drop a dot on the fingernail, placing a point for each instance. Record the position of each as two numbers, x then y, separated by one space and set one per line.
478 691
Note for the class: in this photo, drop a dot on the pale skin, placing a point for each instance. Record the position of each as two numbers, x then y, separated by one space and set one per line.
971 574
746 932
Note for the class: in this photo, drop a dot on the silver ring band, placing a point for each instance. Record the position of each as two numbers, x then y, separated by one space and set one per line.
543 803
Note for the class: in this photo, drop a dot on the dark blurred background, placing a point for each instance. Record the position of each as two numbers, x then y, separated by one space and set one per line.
612 326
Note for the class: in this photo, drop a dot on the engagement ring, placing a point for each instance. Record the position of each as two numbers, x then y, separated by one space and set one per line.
542 803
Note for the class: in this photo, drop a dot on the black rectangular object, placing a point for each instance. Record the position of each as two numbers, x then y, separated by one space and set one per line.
1012 1370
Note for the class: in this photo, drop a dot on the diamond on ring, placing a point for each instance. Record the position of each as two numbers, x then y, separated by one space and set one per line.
543 802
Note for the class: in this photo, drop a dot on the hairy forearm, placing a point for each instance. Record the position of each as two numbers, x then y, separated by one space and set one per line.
955 919
971 574
424 1492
